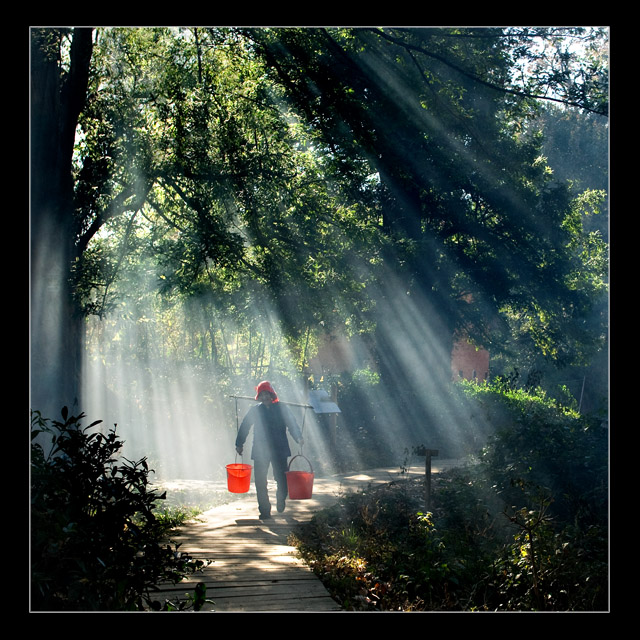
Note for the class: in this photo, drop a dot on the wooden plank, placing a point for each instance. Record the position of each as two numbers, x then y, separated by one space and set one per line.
241 590
233 577
308 595
253 567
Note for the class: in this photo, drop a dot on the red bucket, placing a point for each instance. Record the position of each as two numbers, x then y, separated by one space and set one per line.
238 477
300 483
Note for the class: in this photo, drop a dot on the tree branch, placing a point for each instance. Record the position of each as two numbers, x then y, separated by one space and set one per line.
519 93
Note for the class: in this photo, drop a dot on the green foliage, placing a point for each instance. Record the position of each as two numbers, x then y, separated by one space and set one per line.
231 205
97 543
269 177
375 552
545 569
268 168
542 443
514 532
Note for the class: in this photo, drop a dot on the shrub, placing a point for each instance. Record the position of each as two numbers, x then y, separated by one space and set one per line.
376 552
96 543
525 529
541 444
547 568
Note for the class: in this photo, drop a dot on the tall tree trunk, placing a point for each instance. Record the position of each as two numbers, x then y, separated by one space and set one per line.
56 324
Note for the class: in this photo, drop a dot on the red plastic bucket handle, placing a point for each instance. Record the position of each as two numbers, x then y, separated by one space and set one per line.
300 456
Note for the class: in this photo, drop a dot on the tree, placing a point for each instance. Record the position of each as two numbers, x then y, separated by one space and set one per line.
226 185
477 226
576 148
324 167
59 77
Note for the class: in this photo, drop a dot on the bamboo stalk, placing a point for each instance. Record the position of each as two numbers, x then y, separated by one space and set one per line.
292 404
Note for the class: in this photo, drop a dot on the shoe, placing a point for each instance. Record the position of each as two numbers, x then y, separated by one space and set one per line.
281 506
264 516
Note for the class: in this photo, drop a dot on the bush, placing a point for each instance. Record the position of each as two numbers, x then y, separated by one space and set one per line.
523 530
541 444
96 542
542 482
551 568
374 551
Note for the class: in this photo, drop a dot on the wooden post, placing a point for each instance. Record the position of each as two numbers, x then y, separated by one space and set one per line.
427 476
333 422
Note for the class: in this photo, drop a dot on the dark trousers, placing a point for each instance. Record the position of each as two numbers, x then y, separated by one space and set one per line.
261 467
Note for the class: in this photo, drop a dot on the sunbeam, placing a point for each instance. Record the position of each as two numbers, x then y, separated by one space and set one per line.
362 254
318 271
184 415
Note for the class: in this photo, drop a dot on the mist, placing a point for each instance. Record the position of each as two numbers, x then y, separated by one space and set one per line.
183 414
146 373
169 372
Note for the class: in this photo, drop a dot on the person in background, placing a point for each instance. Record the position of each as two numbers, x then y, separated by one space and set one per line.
270 421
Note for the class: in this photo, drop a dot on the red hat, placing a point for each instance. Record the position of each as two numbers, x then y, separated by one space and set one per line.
266 386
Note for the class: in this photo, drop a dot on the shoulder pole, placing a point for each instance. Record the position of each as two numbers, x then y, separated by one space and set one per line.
292 404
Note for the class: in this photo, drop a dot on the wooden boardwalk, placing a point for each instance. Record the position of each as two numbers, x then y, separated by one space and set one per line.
253 568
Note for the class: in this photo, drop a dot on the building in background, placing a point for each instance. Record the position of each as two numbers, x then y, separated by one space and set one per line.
469 362
337 354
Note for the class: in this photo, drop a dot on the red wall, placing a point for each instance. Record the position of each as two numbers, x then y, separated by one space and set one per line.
335 355
472 362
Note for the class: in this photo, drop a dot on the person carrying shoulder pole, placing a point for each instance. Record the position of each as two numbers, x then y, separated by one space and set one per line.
270 421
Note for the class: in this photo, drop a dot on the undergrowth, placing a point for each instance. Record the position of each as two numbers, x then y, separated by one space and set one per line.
525 529
98 534
378 550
